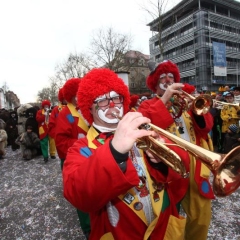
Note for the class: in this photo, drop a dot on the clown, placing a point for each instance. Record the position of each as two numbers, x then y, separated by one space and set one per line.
134 196
164 80
47 143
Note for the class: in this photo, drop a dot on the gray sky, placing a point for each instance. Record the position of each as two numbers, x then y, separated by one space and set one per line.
36 35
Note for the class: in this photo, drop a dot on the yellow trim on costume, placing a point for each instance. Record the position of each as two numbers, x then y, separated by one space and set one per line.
81 123
41 130
107 236
175 228
92 134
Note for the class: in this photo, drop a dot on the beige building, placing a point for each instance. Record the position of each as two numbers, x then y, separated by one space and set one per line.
137 66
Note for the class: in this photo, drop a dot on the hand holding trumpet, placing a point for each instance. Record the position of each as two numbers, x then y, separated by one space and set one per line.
128 131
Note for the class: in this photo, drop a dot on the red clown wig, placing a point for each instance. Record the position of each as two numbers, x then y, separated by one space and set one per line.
70 89
98 82
46 102
133 100
163 67
60 95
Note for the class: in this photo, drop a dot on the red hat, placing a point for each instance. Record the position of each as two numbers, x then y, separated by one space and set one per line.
98 82
163 67
60 95
133 100
70 88
46 102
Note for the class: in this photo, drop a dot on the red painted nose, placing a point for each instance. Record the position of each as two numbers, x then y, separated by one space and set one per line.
112 104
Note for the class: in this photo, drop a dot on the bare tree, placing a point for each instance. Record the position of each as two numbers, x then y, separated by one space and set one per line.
108 49
75 66
43 94
156 9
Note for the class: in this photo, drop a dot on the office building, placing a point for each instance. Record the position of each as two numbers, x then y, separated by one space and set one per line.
189 31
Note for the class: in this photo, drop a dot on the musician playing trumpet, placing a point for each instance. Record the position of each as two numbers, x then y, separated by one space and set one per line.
128 193
164 80
46 141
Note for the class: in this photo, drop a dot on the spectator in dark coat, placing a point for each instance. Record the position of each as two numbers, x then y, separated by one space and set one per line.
232 138
12 130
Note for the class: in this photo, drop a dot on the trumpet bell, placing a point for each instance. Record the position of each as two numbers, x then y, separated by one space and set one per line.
202 104
227 178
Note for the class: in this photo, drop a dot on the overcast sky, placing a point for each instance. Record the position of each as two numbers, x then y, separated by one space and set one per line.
36 35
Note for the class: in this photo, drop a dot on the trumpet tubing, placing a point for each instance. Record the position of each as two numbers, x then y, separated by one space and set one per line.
226 171
221 104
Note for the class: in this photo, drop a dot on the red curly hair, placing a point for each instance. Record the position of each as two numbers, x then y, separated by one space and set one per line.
163 67
60 95
98 82
133 100
46 102
70 88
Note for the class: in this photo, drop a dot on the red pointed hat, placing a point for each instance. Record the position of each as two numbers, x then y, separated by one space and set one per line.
70 88
98 82
163 67
46 102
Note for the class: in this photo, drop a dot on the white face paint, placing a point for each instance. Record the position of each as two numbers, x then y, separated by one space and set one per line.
104 113
166 80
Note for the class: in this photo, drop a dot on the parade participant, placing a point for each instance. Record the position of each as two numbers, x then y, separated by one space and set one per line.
54 114
228 114
12 130
134 102
3 139
30 142
164 80
70 127
46 141
232 138
21 111
135 196
236 93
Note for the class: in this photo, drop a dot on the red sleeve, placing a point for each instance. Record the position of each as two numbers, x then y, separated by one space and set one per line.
202 132
92 177
40 117
157 112
66 132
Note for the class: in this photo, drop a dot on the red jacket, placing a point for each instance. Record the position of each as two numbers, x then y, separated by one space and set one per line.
53 120
70 127
94 183
42 126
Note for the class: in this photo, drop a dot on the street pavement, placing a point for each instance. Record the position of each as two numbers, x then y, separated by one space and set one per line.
32 205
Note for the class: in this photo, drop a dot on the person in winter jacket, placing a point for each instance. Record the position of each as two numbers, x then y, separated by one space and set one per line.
30 142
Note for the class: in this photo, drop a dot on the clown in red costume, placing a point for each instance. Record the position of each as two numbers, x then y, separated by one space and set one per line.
164 80
128 193
54 114
42 118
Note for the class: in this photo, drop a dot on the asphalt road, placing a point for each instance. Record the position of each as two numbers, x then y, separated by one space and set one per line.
32 205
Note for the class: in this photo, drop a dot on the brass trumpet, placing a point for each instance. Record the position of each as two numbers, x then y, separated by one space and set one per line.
201 104
226 170
220 104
